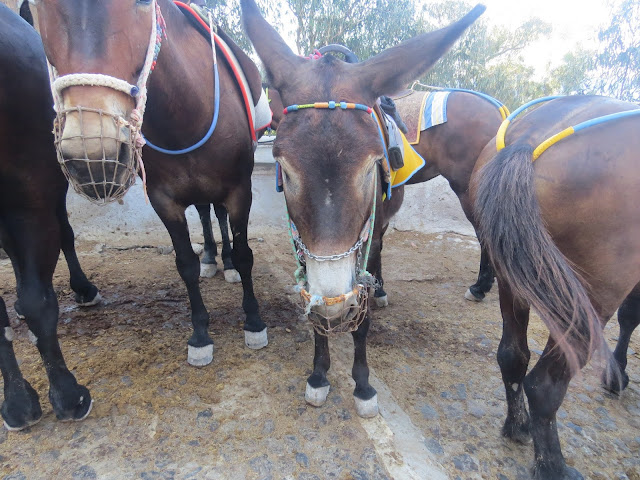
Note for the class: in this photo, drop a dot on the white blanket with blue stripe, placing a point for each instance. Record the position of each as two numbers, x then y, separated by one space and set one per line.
434 111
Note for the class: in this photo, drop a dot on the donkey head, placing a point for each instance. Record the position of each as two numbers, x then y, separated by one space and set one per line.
98 50
329 157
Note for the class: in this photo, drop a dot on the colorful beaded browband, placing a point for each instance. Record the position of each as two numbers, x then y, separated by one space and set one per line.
330 105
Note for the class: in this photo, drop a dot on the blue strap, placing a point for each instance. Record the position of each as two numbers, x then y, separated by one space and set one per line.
214 122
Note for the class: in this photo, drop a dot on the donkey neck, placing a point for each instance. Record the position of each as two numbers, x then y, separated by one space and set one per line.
180 102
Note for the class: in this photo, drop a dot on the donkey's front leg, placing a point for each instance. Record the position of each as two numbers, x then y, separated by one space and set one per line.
231 275
200 345
365 396
238 205
317 383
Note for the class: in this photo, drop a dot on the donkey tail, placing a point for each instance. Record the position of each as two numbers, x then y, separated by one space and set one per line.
527 259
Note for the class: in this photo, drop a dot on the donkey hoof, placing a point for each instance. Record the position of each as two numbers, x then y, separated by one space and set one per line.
96 300
316 396
200 356
382 302
22 427
83 416
367 408
197 248
208 270
471 297
232 276
18 309
256 340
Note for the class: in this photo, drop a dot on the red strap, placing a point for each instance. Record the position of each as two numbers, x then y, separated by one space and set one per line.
231 64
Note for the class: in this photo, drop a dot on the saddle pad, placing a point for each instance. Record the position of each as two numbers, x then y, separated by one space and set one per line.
409 107
422 110
412 163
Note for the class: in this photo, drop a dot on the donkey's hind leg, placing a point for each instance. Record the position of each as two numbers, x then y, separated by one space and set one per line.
546 386
238 205
486 274
629 319
513 358
208 264
86 293
21 407
365 396
231 275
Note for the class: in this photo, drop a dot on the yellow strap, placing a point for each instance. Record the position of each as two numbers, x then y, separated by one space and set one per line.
550 141
502 131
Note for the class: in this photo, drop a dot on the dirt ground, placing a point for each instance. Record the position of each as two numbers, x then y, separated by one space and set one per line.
244 416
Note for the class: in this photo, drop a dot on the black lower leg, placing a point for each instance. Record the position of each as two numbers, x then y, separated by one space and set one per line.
70 400
21 406
85 291
210 248
546 386
321 362
360 371
513 358
486 276
629 319
222 216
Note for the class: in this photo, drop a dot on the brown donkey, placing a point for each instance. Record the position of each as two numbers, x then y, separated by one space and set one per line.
109 57
563 233
330 157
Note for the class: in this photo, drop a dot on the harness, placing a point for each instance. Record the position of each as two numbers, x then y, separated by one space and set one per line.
540 149
112 189
364 280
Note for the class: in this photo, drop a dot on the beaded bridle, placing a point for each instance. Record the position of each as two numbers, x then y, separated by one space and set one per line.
325 324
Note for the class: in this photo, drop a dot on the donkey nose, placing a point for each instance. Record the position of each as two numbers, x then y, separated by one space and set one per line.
91 135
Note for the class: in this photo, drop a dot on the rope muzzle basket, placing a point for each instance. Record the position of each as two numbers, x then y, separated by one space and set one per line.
99 176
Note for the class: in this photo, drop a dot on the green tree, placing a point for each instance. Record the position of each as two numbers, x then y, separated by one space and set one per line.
576 74
619 60
486 59
364 26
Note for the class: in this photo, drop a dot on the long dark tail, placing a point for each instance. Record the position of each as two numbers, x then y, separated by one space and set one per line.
525 256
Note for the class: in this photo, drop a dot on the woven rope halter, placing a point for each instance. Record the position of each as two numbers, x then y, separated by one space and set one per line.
108 190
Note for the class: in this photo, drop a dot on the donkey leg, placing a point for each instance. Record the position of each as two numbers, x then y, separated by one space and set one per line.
86 293
380 297
317 383
35 262
546 386
208 264
231 275
629 319
513 358
364 395
200 345
21 407
238 205
70 400
486 274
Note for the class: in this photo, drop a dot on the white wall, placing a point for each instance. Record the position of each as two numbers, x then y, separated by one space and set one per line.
429 207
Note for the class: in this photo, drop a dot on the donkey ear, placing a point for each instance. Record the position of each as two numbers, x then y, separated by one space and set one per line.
391 70
279 61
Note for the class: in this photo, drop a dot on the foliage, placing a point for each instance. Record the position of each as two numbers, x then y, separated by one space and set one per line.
366 27
619 60
576 74
487 59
